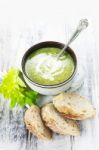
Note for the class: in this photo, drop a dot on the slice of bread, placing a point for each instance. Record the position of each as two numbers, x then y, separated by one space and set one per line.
57 123
73 106
35 124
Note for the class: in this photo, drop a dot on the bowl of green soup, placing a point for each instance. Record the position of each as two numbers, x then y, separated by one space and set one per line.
46 74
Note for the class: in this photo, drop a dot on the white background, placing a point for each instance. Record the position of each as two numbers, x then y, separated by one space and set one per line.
15 15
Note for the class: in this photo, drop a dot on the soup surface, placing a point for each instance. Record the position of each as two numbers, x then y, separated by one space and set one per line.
42 66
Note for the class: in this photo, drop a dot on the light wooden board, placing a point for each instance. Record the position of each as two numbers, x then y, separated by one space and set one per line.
13 44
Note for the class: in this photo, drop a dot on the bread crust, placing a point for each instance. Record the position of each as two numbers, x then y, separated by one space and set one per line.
57 123
74 106
35 124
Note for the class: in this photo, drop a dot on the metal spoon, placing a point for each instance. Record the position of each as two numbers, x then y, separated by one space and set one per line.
82 25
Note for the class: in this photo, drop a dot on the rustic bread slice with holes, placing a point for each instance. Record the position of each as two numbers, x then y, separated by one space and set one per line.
74 106
57 123
35 124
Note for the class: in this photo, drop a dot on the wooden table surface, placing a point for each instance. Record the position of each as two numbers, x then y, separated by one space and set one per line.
13 44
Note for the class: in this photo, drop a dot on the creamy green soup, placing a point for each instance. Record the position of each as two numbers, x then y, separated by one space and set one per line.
42 66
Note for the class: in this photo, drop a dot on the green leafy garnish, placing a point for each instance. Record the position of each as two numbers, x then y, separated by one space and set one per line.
13 88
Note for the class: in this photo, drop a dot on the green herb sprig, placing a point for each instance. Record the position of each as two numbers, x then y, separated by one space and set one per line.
14 88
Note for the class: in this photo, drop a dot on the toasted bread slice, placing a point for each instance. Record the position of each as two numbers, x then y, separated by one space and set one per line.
57 123
35 124
73 106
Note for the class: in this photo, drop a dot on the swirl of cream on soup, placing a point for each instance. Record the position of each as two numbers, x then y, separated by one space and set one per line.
43 67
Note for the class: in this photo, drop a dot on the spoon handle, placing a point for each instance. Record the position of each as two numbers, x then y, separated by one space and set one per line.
82 25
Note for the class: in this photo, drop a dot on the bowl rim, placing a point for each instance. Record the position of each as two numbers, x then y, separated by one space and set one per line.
42 45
